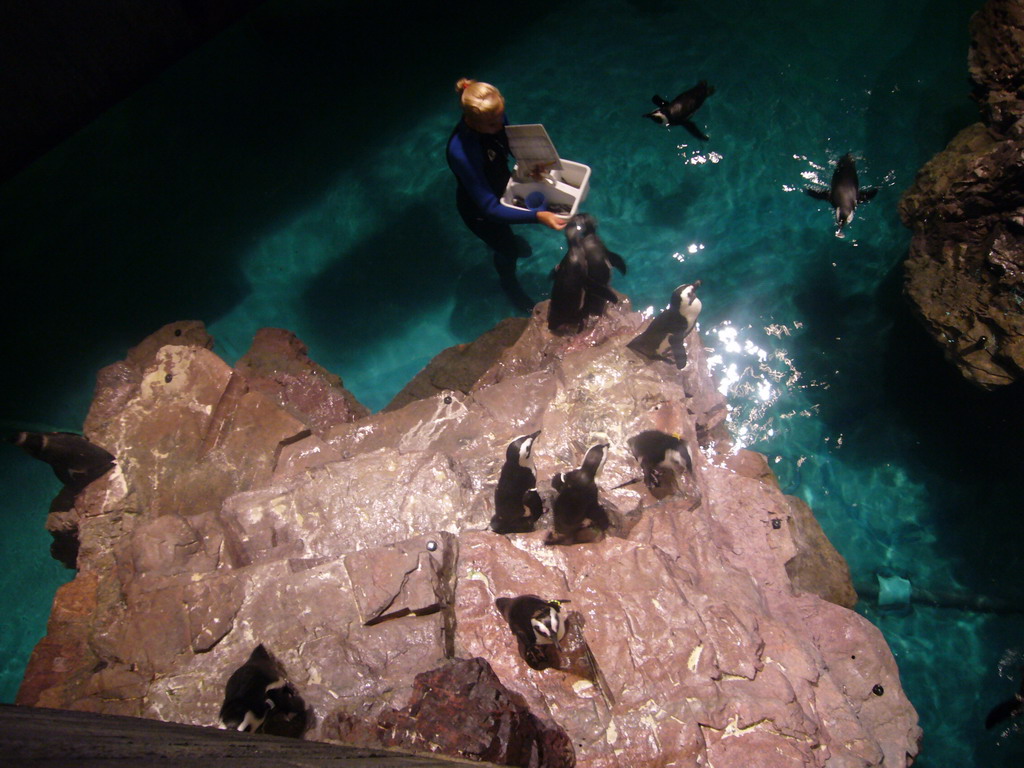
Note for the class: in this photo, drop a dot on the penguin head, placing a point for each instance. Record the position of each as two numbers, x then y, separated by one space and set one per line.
547 624
683 294
594 459
520 450
580 226
657 116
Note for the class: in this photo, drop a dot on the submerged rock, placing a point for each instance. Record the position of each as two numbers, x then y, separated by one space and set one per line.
360 553
965 271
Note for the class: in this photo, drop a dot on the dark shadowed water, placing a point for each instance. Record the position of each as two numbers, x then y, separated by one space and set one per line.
292 174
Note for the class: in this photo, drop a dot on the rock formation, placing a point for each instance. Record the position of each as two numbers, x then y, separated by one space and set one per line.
965 271
357 549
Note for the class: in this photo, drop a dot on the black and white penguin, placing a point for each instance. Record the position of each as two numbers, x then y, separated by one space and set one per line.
681 108
566 310
1010 708
537 625
581 232
660 453
254 690
517 504
845 192
578 515
663 338
75 459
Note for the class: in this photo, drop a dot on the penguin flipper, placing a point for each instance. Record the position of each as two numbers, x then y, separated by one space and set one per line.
694 130
677 345
818 193
866 193
603 291
617 261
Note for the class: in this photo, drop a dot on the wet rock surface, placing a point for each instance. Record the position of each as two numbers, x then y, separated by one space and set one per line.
359 553
965 271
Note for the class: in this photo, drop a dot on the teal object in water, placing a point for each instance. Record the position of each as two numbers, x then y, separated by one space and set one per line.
287 198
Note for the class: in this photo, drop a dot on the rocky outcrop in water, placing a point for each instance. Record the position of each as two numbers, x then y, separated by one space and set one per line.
965 271
358 551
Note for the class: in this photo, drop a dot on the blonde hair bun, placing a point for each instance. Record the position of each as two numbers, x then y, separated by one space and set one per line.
479 98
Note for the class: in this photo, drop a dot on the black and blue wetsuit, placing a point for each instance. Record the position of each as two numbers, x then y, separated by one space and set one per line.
480 164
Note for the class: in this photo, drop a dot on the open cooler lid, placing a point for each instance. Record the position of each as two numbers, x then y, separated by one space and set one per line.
532 147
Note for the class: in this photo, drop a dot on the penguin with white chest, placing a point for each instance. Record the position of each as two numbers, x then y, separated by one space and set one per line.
517 504
664 338
578 515
681 109
663 458
255 690
537 625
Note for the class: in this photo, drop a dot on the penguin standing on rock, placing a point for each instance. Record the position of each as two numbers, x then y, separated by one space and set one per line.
578 515
517 504
660 453
537 625
663 338
582 233
566 310
255 690
681 108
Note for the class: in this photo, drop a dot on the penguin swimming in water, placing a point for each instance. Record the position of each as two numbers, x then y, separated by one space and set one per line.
581 232
517 504
845 193
254 690
578 516
681 108
1010 708
669 329
537 625
660 453
75 459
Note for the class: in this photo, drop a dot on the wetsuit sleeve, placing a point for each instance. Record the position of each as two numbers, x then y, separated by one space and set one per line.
467 164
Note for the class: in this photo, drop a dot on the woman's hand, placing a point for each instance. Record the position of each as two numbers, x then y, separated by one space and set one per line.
553 220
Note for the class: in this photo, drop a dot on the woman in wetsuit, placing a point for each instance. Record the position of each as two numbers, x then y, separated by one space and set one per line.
478 155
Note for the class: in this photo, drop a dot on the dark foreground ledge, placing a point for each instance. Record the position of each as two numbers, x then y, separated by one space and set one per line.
31 737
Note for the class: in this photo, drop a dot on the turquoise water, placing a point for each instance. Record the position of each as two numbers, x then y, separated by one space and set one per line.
292 174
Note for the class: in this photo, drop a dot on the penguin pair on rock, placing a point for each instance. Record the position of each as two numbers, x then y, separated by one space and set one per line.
582 279
258 697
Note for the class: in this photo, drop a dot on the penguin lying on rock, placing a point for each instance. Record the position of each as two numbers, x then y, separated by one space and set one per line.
517 504
578 515
257 690
664 338
663 458
537 625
